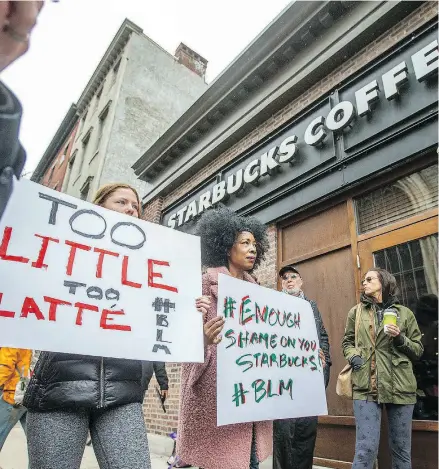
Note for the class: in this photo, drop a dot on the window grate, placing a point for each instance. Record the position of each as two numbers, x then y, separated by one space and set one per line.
402 199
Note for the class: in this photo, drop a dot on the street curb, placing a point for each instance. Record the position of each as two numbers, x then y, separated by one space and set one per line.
163 445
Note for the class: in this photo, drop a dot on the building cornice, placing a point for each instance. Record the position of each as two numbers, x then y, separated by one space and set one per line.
108 60
263 78
58 140
276 45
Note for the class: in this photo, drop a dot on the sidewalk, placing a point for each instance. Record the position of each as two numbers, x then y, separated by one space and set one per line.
14 454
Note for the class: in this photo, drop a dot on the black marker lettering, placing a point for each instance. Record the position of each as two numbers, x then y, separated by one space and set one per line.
119 243
162 320
55 202
73 286
87 235
158 347
112 294
95 293
159 337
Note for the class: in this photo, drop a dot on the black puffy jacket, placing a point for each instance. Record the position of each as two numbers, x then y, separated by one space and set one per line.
67 381
12 154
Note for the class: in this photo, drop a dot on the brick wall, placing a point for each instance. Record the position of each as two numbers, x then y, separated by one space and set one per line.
267 274
152 211
156 420
54 176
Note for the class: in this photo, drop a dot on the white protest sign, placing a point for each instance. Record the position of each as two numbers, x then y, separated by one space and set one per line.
78 278
268 361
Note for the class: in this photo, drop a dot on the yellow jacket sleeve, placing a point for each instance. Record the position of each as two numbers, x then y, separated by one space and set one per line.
23 362
8 360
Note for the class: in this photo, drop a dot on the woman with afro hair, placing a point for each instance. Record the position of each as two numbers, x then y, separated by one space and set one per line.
231 245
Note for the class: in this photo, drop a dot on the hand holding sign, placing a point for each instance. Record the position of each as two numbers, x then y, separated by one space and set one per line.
214 326
212 330
203 304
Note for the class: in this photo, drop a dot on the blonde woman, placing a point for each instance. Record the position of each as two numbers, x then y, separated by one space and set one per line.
71 395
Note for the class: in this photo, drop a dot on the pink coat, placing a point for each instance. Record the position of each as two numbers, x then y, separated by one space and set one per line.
200 442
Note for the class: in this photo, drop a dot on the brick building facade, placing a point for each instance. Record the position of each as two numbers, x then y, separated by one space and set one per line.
306 63
136 91
52 167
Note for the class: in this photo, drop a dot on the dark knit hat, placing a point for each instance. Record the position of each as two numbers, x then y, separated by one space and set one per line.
288 268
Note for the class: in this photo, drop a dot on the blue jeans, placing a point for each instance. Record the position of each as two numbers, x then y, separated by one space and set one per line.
9 417
368 424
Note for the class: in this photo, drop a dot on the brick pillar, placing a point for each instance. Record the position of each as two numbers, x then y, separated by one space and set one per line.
156 420
152 212
266 272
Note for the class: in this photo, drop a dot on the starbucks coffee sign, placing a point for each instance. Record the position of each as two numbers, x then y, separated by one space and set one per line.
310 141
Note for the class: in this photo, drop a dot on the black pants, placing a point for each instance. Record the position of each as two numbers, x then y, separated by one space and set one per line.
293 443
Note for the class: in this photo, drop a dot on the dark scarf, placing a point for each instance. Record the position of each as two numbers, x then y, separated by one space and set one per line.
379 307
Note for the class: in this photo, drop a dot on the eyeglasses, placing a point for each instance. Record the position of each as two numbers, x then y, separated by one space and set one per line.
369 279
290 277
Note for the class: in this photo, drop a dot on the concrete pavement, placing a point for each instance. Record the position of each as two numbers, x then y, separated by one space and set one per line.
14 452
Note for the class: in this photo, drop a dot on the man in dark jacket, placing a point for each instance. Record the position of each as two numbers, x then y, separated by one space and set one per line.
12 154
17 20
159 368
294 439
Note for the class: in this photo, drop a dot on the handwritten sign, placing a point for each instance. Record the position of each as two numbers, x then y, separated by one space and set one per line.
78 278
268 361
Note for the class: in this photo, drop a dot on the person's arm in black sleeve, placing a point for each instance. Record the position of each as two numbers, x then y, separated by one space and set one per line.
324 345
12 154
161 375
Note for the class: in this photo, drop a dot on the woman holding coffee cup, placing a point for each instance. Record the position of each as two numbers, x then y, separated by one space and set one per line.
388 342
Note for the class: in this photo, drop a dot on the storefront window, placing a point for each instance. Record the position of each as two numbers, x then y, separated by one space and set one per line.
402 199
414 265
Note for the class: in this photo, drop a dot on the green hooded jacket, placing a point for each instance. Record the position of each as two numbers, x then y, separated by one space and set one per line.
393 380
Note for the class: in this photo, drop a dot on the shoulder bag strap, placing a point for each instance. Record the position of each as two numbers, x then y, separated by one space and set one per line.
357 322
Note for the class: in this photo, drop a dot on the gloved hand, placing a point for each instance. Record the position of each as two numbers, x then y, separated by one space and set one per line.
356 362
399 339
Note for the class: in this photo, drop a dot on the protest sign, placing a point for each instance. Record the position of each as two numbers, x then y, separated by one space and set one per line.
268 361
78 278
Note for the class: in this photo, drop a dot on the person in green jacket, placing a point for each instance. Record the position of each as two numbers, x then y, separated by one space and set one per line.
382 370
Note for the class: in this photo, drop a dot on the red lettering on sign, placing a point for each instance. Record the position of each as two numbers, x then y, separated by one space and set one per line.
125 281
105 318
4 248
6 314
73 247
152 274
54 302
29 306
102 254
39 263
81 308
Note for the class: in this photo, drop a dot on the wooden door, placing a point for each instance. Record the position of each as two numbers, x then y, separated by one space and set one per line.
329 280
320 248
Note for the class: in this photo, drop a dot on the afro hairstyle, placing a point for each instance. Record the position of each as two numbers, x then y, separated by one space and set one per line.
218 229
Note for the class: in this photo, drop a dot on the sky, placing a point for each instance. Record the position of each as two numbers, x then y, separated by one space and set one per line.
72 35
